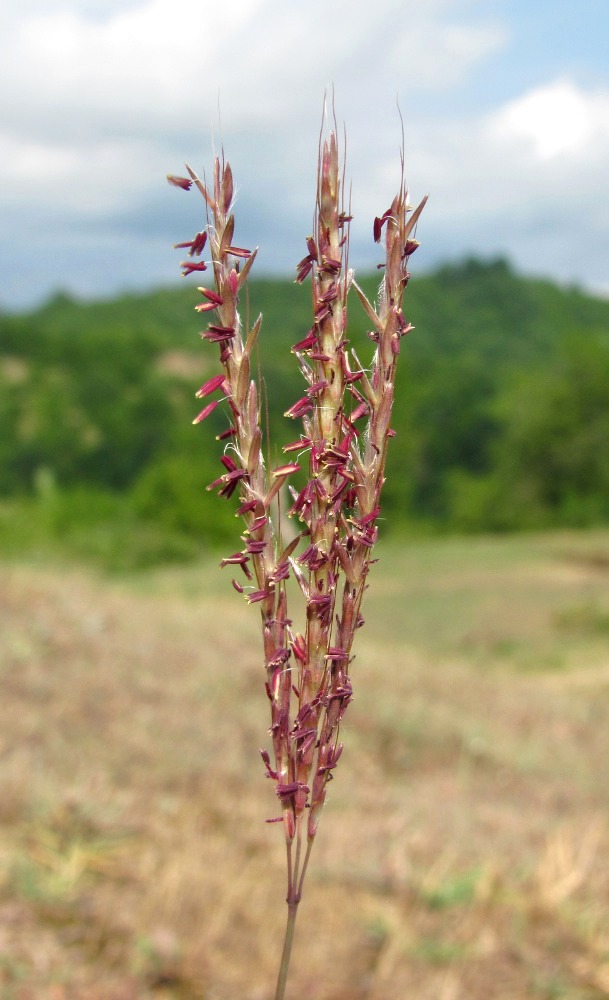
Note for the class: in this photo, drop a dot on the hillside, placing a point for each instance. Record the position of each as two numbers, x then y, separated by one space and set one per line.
502 416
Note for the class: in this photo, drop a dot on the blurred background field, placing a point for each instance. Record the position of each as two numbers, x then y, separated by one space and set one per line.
464 850
464 853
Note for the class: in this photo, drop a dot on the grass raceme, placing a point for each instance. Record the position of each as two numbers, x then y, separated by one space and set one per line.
335 484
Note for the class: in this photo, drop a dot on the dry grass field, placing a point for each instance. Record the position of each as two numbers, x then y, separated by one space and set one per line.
464 850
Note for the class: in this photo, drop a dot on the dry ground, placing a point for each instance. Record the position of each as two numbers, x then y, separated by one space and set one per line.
464 851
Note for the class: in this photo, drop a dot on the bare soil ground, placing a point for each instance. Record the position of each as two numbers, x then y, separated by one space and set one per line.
464 850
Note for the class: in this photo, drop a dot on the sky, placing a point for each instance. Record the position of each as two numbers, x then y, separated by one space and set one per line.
505 106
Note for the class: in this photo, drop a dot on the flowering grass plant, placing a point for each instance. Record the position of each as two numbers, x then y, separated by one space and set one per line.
345 417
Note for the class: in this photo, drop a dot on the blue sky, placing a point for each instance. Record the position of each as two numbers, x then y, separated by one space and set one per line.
506 109
550 37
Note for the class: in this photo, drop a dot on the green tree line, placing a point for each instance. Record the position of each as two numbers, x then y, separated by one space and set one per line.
501 419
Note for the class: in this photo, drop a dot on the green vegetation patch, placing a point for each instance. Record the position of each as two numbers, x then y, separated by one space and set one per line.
501 413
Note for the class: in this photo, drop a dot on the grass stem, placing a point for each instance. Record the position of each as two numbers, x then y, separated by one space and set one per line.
287 950
304 869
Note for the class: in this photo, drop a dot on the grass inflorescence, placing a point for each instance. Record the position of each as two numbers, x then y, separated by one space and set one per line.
345 416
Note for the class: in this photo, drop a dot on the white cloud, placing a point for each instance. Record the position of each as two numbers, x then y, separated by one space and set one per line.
24 161
88 180
498 186
101 98
434 56
151 66
559 119
548 148
162 65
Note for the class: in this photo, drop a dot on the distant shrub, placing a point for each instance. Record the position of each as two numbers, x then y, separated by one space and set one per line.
88 525
172 493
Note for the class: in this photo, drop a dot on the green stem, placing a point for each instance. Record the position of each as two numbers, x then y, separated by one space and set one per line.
304 870
287 951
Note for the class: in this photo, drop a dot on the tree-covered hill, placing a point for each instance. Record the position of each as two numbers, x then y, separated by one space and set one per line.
502 415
